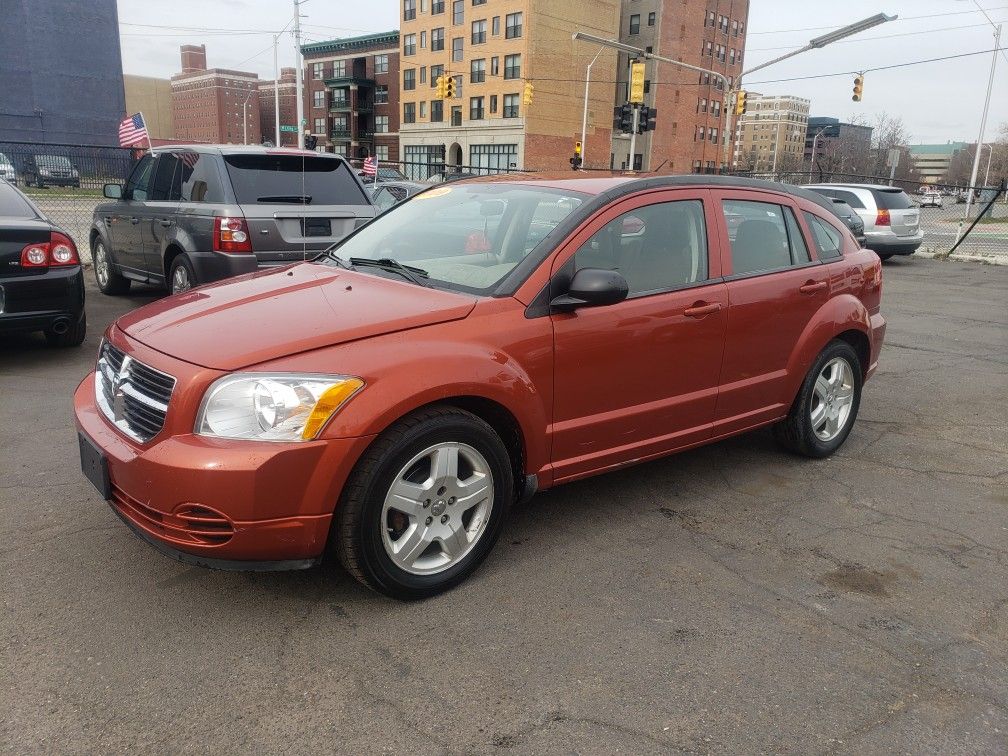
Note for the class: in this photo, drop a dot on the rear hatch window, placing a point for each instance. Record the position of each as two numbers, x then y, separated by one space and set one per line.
293 179
892 199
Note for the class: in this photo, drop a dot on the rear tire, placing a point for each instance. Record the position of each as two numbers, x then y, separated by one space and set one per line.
73 337
399 528
826 407
181 277
108 279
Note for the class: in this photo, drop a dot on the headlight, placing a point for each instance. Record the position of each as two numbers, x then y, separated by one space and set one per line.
273 407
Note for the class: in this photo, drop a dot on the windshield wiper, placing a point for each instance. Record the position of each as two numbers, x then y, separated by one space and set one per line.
387 263
299 199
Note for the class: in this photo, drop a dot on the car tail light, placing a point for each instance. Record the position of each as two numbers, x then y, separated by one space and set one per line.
883 217
231 235
60 250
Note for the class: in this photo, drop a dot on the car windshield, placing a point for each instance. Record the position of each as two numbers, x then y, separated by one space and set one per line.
464 236
52 161
279 178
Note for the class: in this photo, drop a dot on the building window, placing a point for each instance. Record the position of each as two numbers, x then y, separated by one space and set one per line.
513 26
511 106
340 127
423 160
381 124
436 72
494 66
477 71
437 111
635 23
495 26
479 32
436 7
710 19
701 106
493 103
318 98
318 70
491 158
339 69
458 12
423 108
437 39
319 126
734 28
512 66
479 2
651 18
409 112
381 64
475 108
409 78
457 49
381 94
381 152
456 115
409 44
423 40
409 10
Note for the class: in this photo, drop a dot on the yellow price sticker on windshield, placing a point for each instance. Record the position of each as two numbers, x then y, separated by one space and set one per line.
441 191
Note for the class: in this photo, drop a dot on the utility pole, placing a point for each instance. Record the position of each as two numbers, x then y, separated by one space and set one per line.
298 65
980 138
584 116
633 135
276 93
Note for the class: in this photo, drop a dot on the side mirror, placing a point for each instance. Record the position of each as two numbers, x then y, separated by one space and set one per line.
113 191
592 287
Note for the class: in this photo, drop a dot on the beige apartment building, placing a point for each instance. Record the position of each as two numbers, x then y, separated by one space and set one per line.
771 133
152 97
493 48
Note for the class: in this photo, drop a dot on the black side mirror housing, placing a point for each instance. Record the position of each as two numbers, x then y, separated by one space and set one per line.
113 191
592 287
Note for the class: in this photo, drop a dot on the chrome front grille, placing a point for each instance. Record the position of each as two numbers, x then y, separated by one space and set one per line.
133 396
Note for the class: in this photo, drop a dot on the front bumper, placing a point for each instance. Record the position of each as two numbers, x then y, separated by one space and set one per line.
223 504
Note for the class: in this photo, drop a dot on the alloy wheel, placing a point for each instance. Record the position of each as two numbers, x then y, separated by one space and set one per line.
180 280
437 508
101 264
832 399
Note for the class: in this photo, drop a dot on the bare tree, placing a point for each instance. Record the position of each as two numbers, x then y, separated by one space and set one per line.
890 133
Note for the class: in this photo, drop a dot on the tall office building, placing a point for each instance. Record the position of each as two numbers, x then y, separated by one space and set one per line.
493 49
771 133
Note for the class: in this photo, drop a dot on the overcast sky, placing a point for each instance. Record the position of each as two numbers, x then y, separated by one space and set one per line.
938 101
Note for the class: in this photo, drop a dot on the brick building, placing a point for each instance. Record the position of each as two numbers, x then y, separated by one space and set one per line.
209 105
288 107
771 134
709 34
351 90
493 49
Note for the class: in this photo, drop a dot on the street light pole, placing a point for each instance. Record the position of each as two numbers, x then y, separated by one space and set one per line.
245 116
815 140
276 93
584 116
299 83
990 154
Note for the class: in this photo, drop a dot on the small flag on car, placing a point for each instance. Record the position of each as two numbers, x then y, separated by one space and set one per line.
133 131
370 166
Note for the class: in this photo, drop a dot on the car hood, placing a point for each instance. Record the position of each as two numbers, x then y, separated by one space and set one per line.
263 316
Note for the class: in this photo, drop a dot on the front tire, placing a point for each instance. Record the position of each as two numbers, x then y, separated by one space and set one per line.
108 279
827 404
425 504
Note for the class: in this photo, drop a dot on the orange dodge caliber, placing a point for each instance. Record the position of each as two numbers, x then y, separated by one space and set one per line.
390 400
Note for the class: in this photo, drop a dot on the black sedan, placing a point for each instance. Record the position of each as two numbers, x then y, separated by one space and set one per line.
41 282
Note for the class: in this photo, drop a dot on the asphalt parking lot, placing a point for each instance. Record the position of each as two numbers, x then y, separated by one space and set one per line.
728 599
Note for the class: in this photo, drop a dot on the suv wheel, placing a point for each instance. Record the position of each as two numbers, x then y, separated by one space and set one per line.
108 279
181 278
425 504
827 404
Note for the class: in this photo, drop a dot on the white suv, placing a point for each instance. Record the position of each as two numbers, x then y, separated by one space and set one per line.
892 221
7 172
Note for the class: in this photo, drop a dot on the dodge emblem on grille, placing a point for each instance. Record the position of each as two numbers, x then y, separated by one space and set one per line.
118 399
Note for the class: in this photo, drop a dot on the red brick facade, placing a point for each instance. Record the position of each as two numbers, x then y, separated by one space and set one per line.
208 105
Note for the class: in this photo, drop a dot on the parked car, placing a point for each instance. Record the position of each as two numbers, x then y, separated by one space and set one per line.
850 218
41 282
391 399
385 173
931 199
193 214
891 220
50 170
388 193
7 171
452 174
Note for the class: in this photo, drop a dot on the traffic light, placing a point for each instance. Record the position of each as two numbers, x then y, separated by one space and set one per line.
442 88
529 91
740 102
450 88
646 121
576 160
623 118
858 86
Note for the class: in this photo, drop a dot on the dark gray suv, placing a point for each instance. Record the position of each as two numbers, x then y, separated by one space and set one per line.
192 214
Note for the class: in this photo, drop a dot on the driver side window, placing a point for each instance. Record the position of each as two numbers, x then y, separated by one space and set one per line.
656 248
137 184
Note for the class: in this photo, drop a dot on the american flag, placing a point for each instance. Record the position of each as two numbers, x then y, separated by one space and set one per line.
370 166
132 130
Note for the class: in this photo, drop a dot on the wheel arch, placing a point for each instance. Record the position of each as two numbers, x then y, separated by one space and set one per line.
172 250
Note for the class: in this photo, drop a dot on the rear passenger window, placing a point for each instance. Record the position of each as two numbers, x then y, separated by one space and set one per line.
758 233
849 197
828 241
199 178
656 248
799 252
167 183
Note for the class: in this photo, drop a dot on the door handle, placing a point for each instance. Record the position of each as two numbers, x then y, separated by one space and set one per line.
134 220
165 222
701 309
811 287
